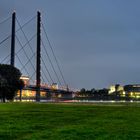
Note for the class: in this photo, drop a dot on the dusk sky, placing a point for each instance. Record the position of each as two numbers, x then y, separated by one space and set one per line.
97 42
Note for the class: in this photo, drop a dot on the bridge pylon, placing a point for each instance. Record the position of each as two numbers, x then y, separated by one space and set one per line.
12 61
38 57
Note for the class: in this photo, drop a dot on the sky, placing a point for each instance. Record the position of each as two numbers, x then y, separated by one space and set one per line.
97 42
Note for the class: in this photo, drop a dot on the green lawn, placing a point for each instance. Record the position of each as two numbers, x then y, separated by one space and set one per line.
37 121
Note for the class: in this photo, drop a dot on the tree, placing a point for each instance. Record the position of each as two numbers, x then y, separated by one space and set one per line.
9 81
3 84
83 92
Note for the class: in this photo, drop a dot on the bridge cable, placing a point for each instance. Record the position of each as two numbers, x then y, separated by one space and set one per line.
5 58
43 80
8 61
5 39
54 55
29 60
45 77
47 71
5 20
24 35
32 75
25 52
17 29
22 64
23 46
51 62
26 40
21 27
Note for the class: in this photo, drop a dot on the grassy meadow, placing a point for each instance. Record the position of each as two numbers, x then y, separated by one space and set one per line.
41 121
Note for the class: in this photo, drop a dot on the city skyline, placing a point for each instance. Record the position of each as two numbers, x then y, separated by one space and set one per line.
96 43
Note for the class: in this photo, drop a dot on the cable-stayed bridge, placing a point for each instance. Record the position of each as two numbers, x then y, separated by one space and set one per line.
27 47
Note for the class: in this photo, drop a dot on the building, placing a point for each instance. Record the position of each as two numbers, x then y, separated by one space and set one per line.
115 88
131 91
54 86
26 80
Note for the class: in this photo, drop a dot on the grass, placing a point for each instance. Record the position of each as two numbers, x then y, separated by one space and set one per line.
38 121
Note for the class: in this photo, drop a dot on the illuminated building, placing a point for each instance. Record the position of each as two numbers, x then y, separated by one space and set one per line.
54 86
26 80
132 91
116 88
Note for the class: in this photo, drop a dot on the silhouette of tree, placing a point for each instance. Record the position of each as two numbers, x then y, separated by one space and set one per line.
10 81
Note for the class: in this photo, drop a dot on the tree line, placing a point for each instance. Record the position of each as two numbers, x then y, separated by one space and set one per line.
92 94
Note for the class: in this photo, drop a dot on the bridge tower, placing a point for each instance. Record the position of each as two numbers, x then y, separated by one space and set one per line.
38 57
12 61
